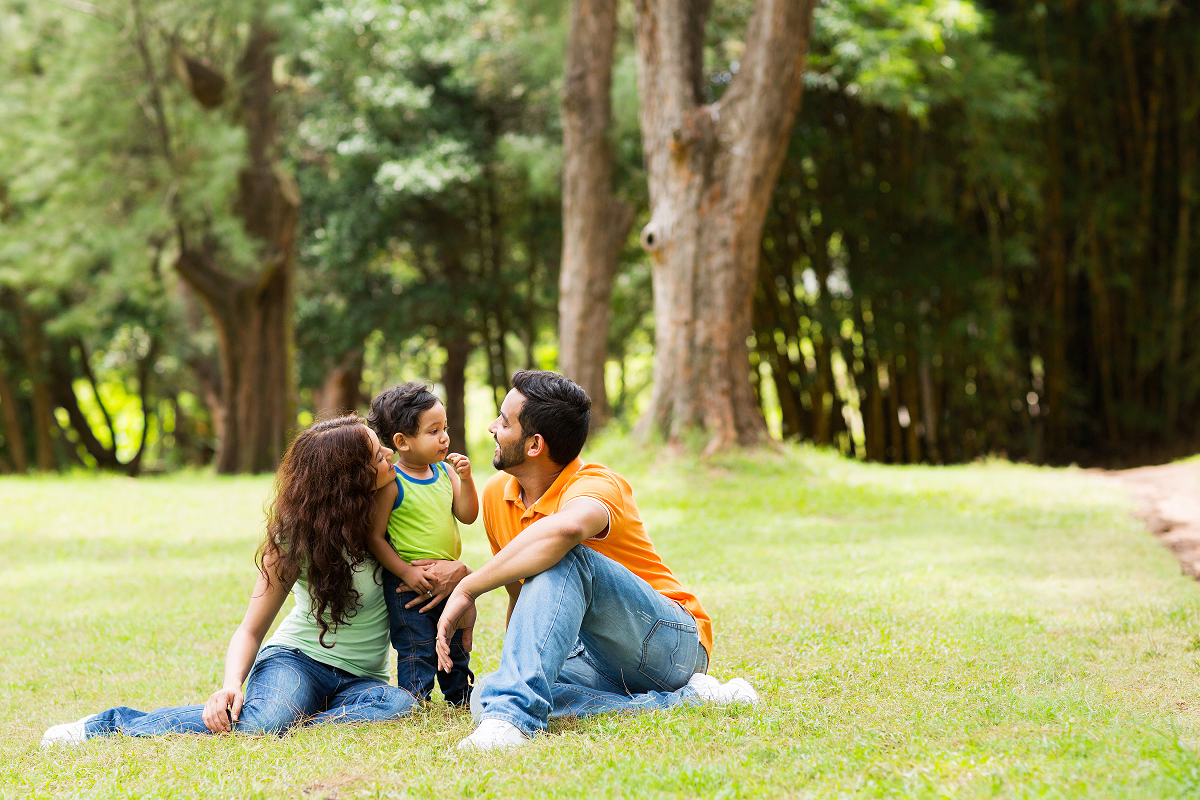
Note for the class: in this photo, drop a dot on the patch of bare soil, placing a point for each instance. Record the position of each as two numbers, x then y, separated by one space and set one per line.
1168 500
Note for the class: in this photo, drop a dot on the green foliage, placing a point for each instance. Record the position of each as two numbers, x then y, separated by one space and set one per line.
429 151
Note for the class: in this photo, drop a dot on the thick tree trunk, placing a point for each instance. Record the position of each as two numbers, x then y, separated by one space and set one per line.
12 422
711 170
253 316
341 391
595 224
454 378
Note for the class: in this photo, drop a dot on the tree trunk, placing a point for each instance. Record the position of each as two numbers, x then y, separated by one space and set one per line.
929 410
341 391
896 430
35 365
253 316
1179 280
874 421
12 423
711 171
595 224
911 402
454 378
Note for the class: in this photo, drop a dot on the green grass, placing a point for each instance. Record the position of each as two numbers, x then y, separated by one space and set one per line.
979 631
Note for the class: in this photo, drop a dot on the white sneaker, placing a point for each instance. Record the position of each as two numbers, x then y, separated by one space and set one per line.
494 734
70 733
711 690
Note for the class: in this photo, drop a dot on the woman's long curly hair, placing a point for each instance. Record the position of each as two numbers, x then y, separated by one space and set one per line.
320 514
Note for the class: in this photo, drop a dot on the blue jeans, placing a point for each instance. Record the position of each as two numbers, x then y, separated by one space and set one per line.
285 688
414 635
588 636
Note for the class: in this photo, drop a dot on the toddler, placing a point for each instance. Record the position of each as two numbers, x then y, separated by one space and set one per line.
415 522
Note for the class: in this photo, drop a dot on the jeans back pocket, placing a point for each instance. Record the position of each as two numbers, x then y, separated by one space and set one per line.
669 654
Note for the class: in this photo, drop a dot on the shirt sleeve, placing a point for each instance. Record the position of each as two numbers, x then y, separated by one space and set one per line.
604 490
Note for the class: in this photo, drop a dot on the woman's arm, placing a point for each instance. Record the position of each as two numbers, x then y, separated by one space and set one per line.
265 602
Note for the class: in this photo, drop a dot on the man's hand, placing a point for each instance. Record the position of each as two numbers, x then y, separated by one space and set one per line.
221 705
444 575
461 464
459 613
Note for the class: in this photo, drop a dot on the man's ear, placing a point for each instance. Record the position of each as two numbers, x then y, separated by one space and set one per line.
536 446
399 441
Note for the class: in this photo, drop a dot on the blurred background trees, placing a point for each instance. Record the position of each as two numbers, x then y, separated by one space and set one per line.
218 221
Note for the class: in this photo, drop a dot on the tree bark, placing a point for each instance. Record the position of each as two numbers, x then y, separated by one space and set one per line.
34 346
454 378
12 422
253 316
711 170
595 224
1179 280
340 393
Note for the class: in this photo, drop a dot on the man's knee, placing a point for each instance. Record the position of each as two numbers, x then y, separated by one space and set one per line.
574 565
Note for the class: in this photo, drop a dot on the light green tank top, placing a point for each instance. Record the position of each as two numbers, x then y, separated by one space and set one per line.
422 523
360 646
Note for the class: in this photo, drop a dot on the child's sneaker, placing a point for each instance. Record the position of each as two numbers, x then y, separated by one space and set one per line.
70 733
494 734
710 690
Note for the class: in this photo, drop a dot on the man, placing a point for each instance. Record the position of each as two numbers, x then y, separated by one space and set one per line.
596 620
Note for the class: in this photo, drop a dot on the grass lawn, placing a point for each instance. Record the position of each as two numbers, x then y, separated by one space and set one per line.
979 631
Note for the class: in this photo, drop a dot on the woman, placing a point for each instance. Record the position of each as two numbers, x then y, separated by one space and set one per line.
327 662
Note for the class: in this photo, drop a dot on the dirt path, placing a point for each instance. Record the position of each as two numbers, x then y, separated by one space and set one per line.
1168 500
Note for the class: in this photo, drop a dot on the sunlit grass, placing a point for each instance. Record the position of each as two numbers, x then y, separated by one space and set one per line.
988 630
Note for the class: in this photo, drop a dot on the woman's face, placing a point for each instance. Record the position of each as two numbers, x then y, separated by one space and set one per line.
381 460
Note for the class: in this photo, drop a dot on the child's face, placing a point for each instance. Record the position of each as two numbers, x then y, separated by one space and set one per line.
381 460
431 442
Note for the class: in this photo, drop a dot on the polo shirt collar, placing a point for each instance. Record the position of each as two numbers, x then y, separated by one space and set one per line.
548 502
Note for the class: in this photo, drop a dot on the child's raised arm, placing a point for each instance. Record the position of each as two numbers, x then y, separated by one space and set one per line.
466 499
377 543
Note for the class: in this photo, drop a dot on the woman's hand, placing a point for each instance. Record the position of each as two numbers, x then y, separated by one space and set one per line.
446 576
221 705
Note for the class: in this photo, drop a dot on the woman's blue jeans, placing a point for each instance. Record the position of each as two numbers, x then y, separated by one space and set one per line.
588 636
285 688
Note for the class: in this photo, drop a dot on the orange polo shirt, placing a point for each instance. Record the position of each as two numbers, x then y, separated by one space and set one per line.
505 516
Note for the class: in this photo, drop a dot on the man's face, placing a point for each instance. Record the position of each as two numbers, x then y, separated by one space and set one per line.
506 430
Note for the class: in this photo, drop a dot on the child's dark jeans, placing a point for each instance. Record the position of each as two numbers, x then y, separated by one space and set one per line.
414 635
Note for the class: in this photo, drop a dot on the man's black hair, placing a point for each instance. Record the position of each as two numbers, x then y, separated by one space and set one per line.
557 408
399 409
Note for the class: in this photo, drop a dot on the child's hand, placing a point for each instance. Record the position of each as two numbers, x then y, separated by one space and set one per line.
462 465
415 580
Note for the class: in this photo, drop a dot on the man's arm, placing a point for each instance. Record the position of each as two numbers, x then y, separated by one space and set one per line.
537 548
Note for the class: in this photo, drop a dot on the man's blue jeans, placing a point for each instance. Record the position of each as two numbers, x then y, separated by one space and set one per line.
285 688
588 636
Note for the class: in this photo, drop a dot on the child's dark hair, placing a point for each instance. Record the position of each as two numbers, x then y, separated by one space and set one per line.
399 409
557 408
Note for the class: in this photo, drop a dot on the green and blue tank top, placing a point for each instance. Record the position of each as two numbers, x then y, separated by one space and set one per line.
422 523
